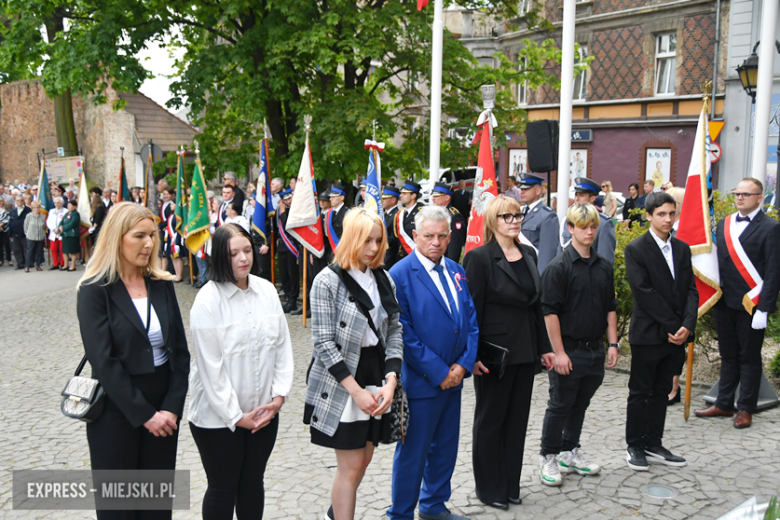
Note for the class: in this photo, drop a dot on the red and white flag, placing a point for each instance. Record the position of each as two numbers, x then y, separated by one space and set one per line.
485 188
696 225
304 222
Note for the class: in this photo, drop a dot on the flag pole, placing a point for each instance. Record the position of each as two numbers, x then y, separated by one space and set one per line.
305 279
567 88
437 47
688 381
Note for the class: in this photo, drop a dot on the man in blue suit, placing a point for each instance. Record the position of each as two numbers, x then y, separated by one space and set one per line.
440 347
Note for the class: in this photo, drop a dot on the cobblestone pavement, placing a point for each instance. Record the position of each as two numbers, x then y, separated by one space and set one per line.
41 346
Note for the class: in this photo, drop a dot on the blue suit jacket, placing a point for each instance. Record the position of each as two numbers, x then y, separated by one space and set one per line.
433 338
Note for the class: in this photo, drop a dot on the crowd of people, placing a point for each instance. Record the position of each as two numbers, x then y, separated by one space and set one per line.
396 304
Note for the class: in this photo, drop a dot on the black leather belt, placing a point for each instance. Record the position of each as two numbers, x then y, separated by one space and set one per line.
574 344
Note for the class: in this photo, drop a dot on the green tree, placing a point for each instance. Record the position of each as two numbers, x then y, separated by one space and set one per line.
345 62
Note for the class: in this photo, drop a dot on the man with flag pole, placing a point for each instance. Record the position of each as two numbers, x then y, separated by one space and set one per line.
485 189
303 219
196 230
263 215
403 229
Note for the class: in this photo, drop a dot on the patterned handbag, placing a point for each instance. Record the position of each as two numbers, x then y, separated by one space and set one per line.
398 415
83 398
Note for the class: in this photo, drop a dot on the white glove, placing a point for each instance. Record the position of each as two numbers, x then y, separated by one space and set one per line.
759 320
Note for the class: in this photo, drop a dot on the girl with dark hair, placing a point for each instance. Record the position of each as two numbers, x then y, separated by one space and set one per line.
630 204
242 373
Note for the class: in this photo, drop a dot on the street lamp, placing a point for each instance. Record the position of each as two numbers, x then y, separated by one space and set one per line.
748 71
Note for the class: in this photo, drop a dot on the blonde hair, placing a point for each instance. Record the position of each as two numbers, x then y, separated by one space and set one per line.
582 215
608 185
106 262
35 204
498 206
358 224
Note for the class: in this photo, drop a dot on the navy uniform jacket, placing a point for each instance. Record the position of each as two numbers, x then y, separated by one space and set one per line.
391 256
408 225
458 230
540 227
605 239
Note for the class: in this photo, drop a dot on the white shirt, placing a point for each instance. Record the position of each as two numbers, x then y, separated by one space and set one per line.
106 202
532 205
666 249
429 265
241 352
368 283
240 220
739 227
54 220
155 332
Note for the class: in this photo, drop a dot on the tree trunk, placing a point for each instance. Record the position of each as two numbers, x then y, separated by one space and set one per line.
63 120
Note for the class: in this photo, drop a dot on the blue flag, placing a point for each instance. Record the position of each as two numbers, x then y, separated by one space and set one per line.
373 200
264 204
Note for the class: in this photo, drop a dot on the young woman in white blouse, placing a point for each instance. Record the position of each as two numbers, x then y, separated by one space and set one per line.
356 363
242 371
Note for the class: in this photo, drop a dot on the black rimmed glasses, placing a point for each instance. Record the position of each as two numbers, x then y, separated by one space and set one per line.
743 195
510 217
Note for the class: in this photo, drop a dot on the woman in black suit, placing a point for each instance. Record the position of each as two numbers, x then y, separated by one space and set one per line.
504 282
135 342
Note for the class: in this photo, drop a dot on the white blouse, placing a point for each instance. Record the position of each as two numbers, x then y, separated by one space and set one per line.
53 221
242 353
368 283
155 331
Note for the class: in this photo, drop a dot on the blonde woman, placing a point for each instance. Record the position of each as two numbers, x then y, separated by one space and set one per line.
610 200
135 342
353 372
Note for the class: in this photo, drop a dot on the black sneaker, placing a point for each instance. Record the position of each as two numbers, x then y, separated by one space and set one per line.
636 459
660 455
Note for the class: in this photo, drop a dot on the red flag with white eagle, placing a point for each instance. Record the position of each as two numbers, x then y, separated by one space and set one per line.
304 222
697 219
485 188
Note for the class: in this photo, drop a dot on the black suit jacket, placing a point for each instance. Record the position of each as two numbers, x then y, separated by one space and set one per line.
761 242
662 304
458 230
337 221
16 225
505 314
118 348
462 201
391 256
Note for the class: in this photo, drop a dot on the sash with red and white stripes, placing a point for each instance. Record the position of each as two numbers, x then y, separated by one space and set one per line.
332 238
220 218
287 242
406 241
743 264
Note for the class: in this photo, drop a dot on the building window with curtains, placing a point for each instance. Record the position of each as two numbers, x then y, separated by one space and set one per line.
581 80
665 63
522 87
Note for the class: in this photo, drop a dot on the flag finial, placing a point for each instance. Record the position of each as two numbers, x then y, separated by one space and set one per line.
265 129
197 149
307 123
488 96
122 148
706 90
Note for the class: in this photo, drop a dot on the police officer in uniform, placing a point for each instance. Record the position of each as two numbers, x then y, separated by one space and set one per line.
441 195
390 196
540 223
403 224
586 190
288 253
333 224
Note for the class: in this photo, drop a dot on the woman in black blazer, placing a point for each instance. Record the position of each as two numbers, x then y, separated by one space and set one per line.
505 285
135 342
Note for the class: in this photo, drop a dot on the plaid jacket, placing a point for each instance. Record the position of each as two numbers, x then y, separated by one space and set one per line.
338 326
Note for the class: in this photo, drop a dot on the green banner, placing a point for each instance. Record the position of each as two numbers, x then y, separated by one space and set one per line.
197 228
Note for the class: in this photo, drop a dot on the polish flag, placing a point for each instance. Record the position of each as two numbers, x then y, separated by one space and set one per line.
485 188
697 219
304 221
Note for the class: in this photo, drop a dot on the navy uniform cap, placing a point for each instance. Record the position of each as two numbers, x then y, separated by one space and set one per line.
411 187
441 188
323 196
363 183
337 189
585 185
529 180
286 193
390 191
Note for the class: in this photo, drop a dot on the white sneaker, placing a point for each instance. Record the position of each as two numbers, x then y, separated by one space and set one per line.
573 460
549 471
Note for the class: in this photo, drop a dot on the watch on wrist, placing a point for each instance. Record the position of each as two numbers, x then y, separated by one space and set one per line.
614 345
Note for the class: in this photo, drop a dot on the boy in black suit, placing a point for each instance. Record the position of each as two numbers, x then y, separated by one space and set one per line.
748 248
666 302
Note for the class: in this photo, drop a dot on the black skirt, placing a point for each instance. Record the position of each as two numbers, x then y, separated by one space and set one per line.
356 429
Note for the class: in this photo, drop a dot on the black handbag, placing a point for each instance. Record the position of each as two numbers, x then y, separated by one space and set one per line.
83 398
494 357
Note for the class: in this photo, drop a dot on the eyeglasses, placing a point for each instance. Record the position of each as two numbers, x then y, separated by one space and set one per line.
743 195
663 188
510 217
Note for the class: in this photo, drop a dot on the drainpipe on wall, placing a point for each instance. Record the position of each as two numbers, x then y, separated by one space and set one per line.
715 60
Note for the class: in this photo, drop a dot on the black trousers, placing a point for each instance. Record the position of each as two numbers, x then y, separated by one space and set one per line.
288 267
569 400
5 246
653 368
34 252
315 266
265 263
500 424
115 444
235 464
20 250
740 352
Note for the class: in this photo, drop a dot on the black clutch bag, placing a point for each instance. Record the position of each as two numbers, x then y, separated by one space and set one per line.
494 357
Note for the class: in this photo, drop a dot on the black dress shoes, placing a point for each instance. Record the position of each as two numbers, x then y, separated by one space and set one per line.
516 501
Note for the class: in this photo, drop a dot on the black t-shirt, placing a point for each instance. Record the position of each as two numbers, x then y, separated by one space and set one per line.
524 276
581 292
